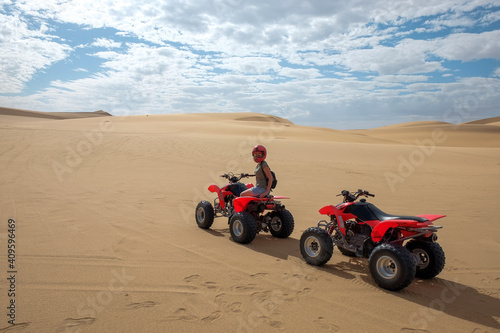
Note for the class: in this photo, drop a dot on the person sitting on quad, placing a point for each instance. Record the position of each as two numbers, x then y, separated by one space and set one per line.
262 172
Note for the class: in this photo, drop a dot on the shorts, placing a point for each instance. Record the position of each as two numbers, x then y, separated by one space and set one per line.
256 190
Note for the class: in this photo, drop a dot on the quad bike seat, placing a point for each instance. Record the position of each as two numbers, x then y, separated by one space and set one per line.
367 211
384 217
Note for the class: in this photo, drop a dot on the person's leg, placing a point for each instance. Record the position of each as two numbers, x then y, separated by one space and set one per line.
246 193
253 192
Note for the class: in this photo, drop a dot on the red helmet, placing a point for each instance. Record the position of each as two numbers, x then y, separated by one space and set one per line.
259 153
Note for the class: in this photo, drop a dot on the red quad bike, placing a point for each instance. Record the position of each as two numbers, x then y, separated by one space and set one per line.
247 215
398 247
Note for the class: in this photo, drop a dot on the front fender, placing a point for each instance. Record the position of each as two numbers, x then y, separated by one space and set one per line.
330 210
214 188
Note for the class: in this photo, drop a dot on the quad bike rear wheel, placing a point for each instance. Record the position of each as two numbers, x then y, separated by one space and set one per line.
204 214
392 266
316 246
430 258
282 224
243 227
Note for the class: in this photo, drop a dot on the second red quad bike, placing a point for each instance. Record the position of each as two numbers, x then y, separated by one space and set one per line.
398 247
247 216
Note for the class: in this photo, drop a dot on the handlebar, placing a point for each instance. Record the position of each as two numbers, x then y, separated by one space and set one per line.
234 178
351 197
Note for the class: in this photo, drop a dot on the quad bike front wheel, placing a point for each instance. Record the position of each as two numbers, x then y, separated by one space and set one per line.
316 246
282 224
392 266
243 227
430 258
204 214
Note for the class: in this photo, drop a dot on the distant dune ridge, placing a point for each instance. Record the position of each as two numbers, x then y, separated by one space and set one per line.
106 239
479 133
51 115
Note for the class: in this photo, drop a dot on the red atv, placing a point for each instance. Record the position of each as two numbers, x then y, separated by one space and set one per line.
247 215
398 247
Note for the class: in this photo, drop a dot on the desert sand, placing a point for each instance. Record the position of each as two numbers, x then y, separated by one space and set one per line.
106 241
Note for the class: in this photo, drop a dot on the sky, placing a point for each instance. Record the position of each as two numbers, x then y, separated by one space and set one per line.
336 64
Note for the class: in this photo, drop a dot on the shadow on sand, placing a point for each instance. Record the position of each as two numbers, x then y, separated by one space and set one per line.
435 296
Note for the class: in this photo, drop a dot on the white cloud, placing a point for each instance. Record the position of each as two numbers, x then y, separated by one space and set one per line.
250 65
401 78
300 74
408 57
234 55
490 18
469 47
106 43
24 53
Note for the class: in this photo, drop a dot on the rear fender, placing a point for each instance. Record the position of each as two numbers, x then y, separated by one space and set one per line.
381 228
240 204
432 218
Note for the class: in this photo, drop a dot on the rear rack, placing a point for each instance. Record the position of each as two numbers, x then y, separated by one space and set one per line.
420 232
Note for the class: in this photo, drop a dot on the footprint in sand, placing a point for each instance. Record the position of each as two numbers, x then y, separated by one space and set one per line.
244 288
304 291
181 314
207 284
15 328
276 324
257 275
191 278
210 285
225 305
147 304
71 323
324 324
235 307
213 316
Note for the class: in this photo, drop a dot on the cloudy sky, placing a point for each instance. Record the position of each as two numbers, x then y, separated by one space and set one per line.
337 64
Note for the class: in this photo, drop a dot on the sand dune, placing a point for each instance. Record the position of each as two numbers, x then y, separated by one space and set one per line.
416 124
106 239
488 121
473 134
27 115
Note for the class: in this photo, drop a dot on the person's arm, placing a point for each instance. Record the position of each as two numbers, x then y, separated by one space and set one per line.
270 180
